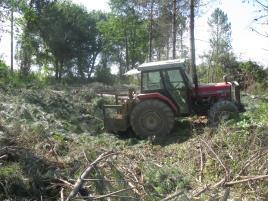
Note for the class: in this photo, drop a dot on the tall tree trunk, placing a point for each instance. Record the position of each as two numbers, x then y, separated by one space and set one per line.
92 66
56 69
127 54
174 28
60 69
12 38
80 68
192 43
181 44
158 54
151 31
168 48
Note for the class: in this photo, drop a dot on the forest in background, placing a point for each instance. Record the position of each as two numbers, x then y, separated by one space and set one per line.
62 40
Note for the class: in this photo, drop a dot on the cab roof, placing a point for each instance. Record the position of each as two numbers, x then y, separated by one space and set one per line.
158 65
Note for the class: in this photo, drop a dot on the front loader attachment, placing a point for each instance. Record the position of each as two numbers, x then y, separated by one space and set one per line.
115 118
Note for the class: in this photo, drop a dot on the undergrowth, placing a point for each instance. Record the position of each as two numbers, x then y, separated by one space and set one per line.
48 137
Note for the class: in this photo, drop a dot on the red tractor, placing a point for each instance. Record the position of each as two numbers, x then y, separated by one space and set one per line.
167 92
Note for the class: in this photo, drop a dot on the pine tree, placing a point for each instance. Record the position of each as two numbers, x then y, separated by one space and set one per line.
220 43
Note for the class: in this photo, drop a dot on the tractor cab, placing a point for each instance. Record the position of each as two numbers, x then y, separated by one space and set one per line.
168 78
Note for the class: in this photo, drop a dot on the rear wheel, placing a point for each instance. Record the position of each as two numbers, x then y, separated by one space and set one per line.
222 111
152 117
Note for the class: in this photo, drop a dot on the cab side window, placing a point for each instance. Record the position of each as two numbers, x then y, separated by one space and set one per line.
174 78
151 81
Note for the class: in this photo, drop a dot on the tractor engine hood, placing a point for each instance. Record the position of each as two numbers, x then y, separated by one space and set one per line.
222 89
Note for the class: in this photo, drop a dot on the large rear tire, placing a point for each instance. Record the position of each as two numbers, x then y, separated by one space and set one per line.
222 111
151 118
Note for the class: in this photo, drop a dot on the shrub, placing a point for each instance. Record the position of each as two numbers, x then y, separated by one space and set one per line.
103 74
3 70
253 70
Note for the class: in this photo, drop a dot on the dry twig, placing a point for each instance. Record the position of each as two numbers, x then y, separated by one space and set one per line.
61 194
85 155
209 187
176 194
134 188
223 183
3 157
80 181
201 164
227 175
253 158
113 193
66 182
259 177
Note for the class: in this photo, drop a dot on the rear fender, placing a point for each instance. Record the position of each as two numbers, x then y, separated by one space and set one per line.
159 97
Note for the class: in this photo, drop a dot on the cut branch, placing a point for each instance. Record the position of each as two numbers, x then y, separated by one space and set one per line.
227 175
231 183
3 157
80 181
253 158
66 182
173 195
113 193
61 194
259 177
201 164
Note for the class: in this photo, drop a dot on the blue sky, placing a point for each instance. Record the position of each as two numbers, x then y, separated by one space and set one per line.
246 43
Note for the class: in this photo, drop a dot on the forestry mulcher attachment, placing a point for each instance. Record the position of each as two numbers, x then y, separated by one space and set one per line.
167 92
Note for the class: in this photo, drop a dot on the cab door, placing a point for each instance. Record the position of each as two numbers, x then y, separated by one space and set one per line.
177 89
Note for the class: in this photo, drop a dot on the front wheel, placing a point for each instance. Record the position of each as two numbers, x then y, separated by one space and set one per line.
152 117
222 111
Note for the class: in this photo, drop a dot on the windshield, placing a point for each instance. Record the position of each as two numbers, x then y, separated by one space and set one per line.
189 79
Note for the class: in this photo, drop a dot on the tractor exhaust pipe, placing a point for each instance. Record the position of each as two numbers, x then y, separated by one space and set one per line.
192 42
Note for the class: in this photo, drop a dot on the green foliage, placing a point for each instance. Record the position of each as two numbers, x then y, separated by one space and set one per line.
124 38
12 181
254 70
3 70
103 74
164 180
219 59
54 132
61 36
11 169
257 116
229 142
220 40
15 78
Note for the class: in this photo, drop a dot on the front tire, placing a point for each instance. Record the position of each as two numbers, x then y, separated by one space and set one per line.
222 111
152 118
